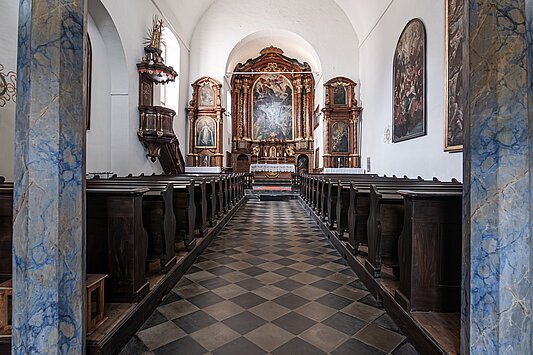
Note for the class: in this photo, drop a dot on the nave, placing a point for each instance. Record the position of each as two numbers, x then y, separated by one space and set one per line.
270 282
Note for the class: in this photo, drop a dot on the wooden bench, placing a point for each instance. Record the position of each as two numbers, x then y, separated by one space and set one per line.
386 218
158 218
430 250
117 243
190 210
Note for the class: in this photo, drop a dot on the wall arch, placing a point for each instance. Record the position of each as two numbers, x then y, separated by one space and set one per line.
109 90
292 44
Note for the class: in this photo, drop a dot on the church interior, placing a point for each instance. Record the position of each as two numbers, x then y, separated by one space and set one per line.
266 177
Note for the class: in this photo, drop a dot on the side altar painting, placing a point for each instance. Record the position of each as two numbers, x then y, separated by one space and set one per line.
272 108
206 129
339 137
409 83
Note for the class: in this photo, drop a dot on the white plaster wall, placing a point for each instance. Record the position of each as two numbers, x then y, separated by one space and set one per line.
8 58
320 23
99 136
423 156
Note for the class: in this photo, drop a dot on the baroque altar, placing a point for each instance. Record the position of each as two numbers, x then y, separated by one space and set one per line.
272 110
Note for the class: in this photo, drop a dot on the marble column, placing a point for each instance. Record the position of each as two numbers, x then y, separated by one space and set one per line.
497 277
48 230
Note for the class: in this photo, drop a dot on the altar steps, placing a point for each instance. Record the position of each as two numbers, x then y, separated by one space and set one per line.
272 182
272 193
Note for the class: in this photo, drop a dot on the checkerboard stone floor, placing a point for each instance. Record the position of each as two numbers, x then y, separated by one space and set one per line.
269 283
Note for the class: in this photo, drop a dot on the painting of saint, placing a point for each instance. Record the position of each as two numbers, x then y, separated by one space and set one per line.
455 103
207 96
205 132
339 137
409 76
272 108
339 95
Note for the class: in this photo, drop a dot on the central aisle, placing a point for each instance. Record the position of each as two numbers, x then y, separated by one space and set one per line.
269 283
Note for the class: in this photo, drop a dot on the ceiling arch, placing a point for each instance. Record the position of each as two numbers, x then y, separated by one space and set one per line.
363 14
293 45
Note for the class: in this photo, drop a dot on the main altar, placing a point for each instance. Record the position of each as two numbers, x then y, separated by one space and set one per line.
272 110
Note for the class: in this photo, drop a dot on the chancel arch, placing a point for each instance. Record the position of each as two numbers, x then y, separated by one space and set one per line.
273 101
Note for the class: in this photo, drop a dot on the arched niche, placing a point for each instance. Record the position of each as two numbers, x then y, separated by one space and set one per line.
109 88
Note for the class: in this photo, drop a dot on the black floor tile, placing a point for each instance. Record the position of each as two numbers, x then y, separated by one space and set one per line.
354 346
244 322
185 345
294 323
239 346
248 300
298 346
345 323
334 301
194 321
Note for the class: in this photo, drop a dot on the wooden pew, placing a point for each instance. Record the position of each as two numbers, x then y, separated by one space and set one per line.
187 200
386 218
358 210
159 219
430 248
117 243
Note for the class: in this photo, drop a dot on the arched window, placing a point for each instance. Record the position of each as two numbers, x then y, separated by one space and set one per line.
169 93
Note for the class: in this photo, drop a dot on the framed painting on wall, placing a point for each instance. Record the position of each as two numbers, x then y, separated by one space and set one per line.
409 83
206 129
454 94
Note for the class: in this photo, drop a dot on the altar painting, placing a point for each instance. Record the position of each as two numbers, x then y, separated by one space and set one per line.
339 137
207 96
409 83
272 108
206 129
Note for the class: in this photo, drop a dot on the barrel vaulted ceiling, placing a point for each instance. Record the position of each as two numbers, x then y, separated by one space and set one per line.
185 14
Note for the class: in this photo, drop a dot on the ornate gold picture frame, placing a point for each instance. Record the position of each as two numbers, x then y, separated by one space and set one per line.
454 86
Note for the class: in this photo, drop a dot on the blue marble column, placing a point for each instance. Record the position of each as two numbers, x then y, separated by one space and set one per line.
48 231
497 268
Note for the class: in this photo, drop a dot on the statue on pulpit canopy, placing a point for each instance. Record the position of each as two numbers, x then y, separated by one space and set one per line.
154 34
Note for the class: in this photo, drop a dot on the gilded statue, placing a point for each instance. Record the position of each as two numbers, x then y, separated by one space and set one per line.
290 150
155 33
256 150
